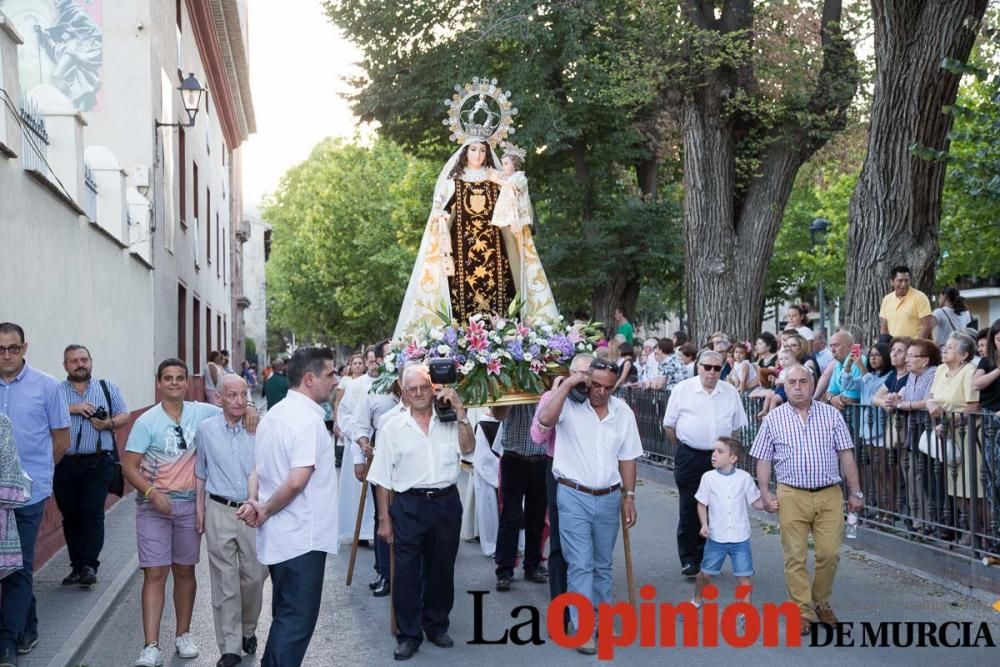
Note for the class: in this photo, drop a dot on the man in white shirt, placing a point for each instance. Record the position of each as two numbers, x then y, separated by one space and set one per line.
700 410
417 459
594 465
296 514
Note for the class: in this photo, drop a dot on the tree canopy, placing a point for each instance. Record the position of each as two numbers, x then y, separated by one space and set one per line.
347 225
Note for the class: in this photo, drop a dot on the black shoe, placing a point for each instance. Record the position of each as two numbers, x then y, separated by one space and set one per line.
88 577
382 590
250 644
536 576
375 583
690 570
228 660
25 642
405 650
73 579
503 582
8 658
542 570
442 640
364 543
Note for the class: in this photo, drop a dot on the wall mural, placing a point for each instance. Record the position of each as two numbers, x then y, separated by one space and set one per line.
63 46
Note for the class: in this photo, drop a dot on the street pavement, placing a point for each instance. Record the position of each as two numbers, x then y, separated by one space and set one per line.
354 626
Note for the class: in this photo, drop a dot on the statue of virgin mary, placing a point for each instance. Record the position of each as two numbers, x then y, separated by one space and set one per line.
466 264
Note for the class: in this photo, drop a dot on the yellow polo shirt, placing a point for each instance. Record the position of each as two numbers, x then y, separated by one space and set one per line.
903 315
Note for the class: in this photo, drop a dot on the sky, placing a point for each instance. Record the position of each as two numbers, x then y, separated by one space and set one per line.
298 61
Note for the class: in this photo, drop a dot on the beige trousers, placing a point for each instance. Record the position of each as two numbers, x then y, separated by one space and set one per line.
236 575
822 513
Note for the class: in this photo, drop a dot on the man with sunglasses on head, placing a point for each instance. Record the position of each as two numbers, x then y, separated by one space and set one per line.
558 583
40 417
701 409
159 461
594 463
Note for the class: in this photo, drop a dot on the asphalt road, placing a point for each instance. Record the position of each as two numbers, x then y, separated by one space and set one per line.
354 627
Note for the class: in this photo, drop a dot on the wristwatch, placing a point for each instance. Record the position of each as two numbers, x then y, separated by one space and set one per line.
858 495
630 494
465 420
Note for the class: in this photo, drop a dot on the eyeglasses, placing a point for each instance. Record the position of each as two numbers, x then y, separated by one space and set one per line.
712 367
179 432
11 349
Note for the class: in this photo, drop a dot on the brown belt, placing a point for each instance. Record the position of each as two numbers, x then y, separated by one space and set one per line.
586 489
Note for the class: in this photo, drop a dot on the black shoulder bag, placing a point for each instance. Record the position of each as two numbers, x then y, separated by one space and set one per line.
117 486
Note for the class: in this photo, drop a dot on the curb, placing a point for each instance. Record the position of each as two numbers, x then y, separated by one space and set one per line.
76 646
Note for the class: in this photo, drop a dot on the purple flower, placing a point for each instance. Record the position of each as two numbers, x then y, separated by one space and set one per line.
563 345
450 337
535 350
516 352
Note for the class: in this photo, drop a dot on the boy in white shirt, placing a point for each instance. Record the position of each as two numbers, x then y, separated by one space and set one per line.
723 496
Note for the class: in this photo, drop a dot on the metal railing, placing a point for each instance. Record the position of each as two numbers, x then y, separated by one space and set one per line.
933 480
36 138
89 193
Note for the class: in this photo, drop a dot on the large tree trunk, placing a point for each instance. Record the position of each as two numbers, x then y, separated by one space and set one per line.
730 231
895 211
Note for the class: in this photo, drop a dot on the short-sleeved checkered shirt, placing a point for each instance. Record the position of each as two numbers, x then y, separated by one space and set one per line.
804 453
516 434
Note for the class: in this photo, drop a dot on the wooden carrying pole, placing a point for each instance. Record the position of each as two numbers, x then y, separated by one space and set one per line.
357 524
627 543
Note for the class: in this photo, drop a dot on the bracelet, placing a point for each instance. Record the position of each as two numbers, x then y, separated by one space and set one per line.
146 494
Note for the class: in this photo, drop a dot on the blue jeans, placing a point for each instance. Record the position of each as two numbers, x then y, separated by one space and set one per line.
740 557
17 597
297 588
588 530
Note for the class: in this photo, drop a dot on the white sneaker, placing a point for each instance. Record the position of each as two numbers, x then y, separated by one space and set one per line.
186 648
150 656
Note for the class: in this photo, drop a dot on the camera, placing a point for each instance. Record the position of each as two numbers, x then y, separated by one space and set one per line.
99 413
443 372
579 394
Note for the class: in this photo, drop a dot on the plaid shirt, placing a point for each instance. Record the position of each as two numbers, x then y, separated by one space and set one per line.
516 434
804 453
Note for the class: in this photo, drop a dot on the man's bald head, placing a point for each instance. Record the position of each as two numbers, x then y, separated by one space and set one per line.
840 344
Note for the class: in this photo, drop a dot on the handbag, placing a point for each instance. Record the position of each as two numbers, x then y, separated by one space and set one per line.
928 444
117 485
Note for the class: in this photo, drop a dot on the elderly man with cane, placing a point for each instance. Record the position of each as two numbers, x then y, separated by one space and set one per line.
594 465
417 461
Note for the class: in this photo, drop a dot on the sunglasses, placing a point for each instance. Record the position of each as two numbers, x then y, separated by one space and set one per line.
712 367
179 432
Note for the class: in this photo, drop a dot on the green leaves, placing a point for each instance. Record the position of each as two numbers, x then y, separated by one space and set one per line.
347 225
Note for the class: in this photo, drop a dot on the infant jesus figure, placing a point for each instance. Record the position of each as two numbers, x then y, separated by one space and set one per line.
513 205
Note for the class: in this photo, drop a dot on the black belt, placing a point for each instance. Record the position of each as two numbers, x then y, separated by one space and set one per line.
224 501
430 493
530 459
586 489
86 456
695 449
816 490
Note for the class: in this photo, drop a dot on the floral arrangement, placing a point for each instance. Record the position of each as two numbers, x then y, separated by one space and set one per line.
495 355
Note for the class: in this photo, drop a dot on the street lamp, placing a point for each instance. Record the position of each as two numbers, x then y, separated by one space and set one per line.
817 236
191 93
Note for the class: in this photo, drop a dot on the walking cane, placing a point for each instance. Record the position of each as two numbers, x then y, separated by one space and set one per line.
627 543
357 523
393 628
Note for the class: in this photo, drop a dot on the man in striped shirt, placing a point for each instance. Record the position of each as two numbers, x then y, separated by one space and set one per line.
83 475
810 446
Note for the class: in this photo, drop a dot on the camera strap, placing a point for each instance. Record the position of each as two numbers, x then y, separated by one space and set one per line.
107 398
